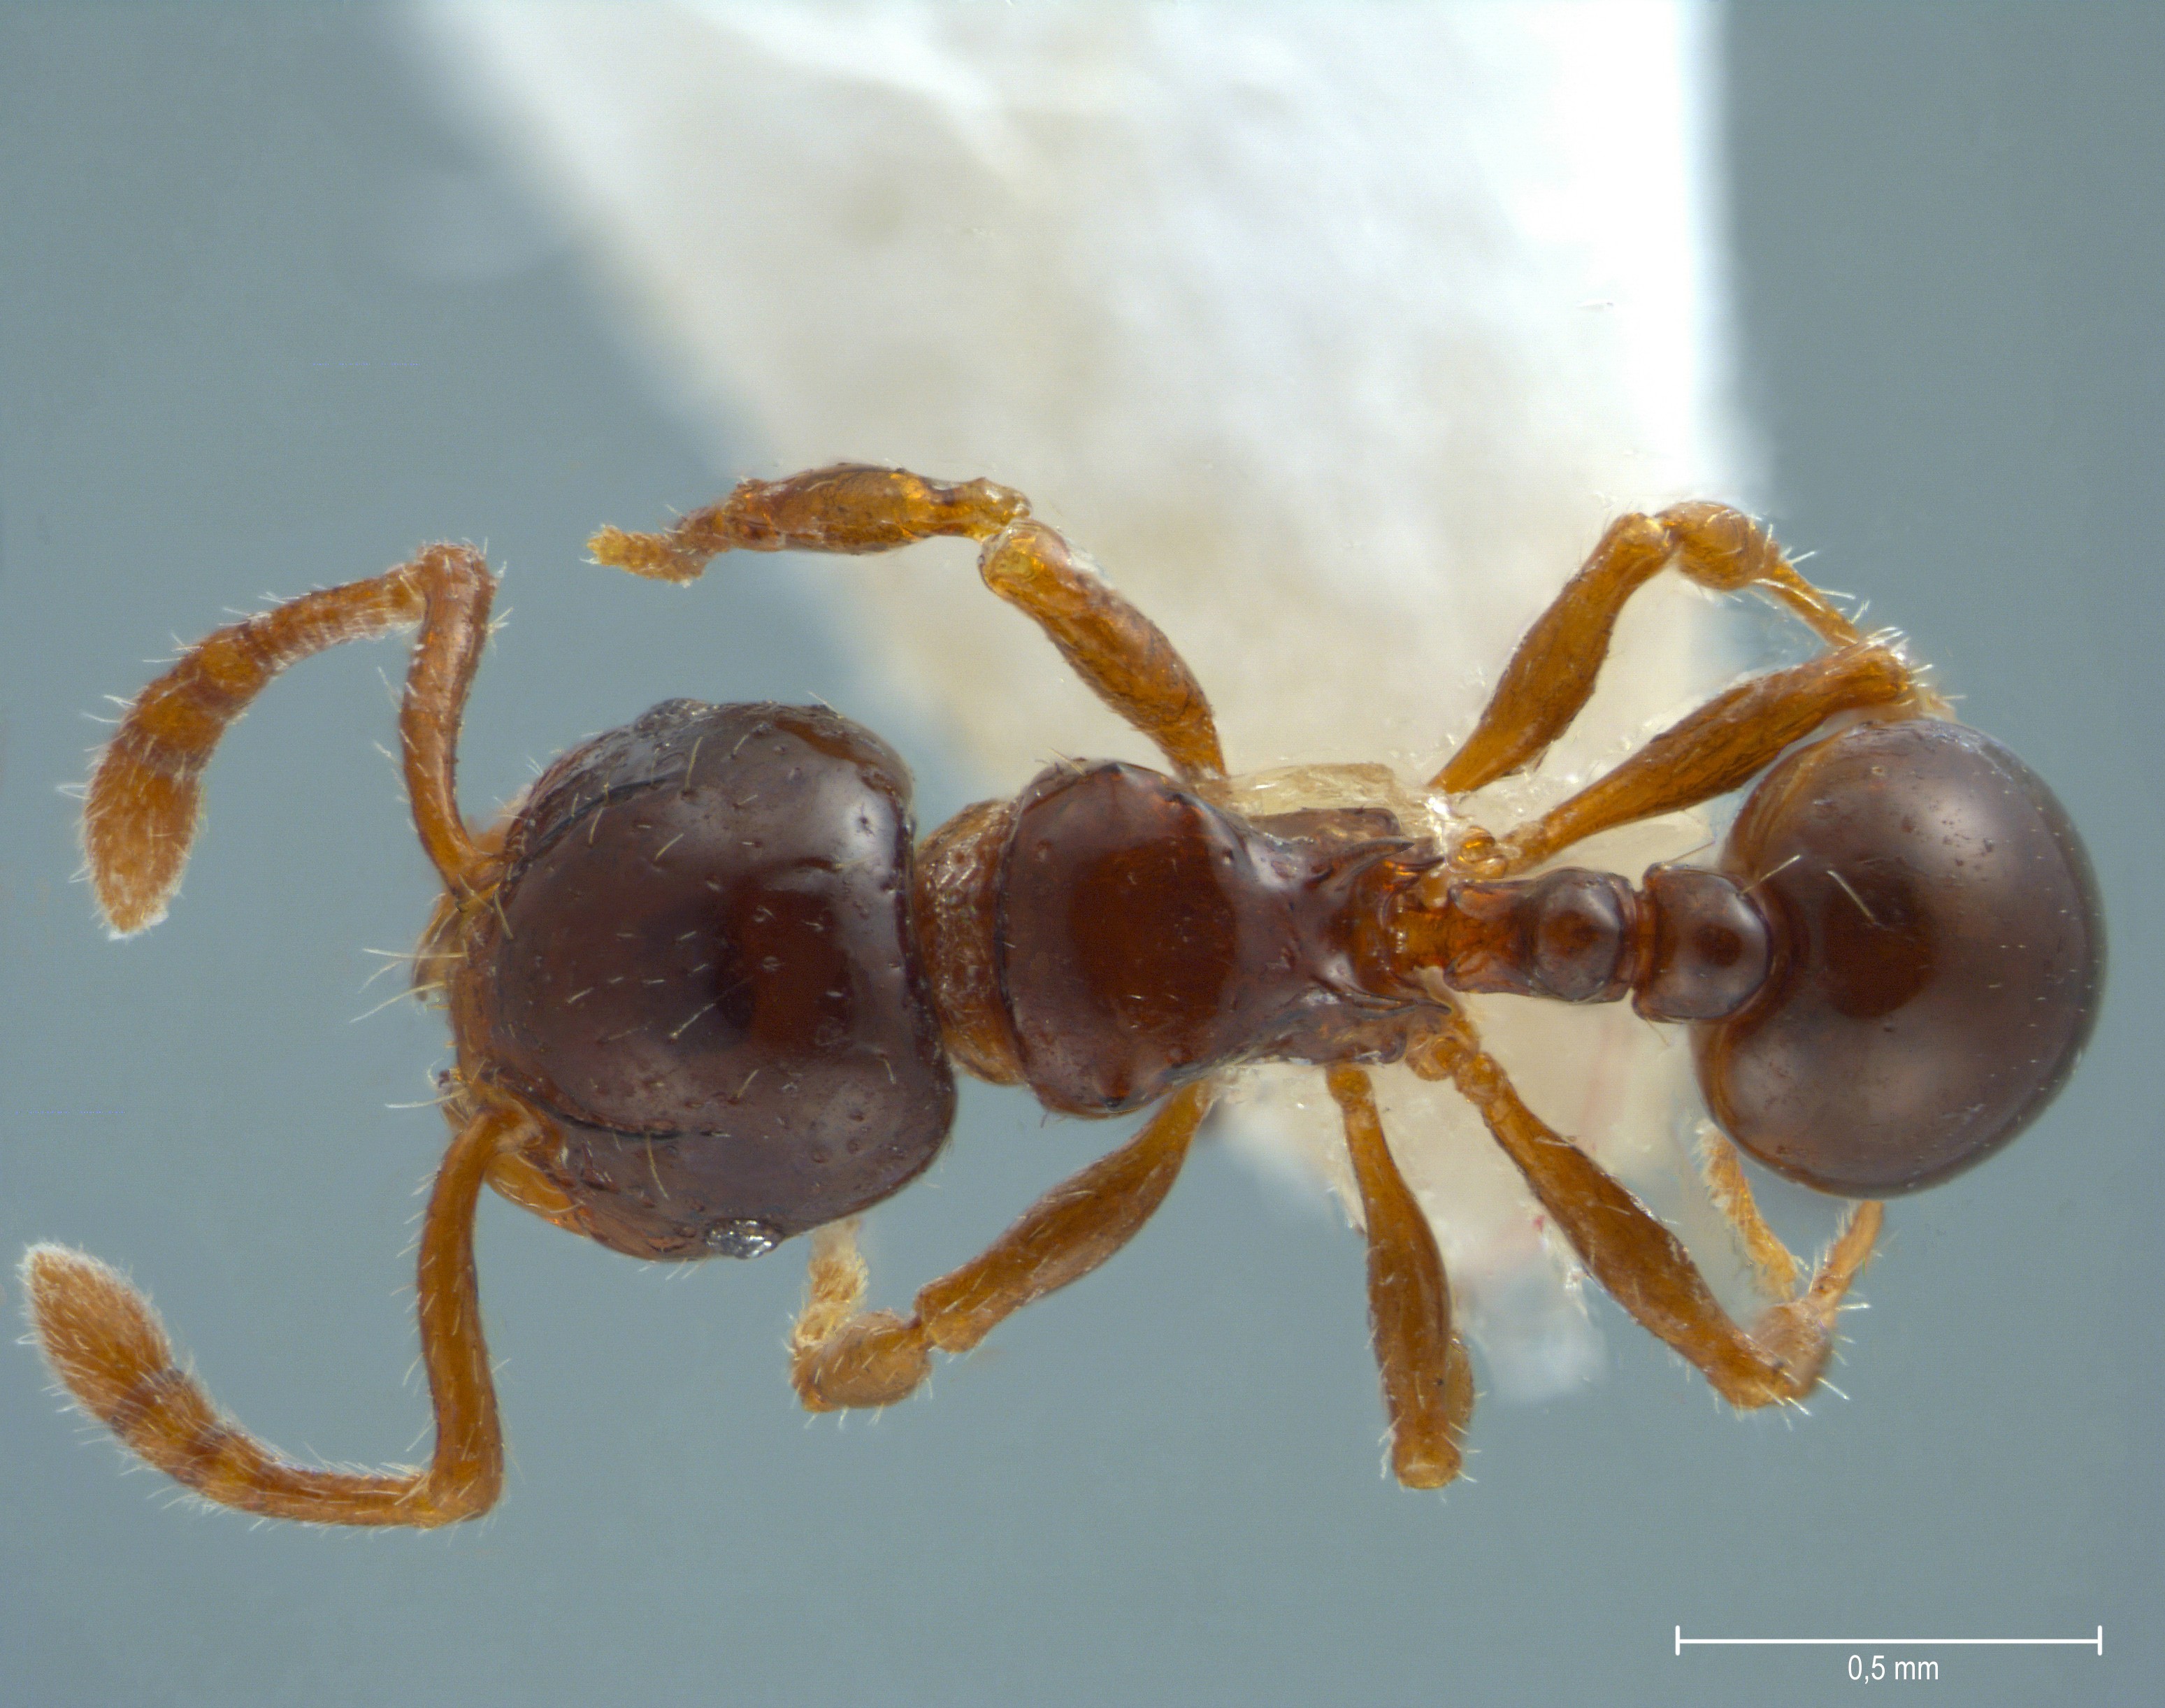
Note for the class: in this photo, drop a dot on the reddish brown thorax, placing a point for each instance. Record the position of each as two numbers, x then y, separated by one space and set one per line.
1145 937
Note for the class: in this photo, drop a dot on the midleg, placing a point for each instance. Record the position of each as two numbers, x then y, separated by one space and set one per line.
1642 1264
107 1344
145 800
840 1357
1551 674
1427 1382
853 508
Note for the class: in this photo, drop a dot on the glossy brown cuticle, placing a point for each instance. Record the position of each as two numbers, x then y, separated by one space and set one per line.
1941 958
1571 936
704 975
705 994
1146 937
1708 951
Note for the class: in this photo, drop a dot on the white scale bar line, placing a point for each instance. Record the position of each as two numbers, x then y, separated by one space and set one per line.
2095 1643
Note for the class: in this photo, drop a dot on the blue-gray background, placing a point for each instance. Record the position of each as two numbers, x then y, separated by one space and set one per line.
238 354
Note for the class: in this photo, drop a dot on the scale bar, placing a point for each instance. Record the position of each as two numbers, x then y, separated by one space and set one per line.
2095 1643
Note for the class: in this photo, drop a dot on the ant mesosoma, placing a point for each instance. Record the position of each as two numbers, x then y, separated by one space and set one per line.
706 994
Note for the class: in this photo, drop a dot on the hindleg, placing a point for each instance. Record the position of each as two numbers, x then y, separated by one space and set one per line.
1720 747
842 1357
1644 1265
106 1345
1552 672
1773 1263
855 509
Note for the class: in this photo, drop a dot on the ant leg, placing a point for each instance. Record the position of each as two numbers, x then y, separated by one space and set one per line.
850 508
106 1345
1723 1171
1642 1264
144 803
854 507
842 1358
1428 1382
1717 748
1551 674
1122 656
839 1357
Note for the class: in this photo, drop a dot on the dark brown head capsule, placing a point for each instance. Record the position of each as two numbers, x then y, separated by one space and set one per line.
701 970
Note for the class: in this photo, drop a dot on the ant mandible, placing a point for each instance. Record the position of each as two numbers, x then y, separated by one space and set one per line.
706 995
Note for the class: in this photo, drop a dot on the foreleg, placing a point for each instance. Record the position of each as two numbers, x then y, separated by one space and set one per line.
853 508
841 1357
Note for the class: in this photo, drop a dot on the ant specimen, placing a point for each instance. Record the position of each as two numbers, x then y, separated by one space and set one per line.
706 994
